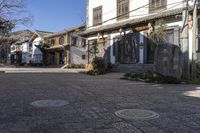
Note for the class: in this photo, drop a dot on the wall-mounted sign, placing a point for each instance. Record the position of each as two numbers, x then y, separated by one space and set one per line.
141 28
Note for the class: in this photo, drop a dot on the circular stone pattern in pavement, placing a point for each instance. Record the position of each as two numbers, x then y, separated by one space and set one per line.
136 114
49 103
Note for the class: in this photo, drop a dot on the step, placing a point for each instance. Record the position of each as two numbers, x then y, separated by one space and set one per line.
125 68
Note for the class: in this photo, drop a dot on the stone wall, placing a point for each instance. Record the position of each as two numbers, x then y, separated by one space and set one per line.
168 60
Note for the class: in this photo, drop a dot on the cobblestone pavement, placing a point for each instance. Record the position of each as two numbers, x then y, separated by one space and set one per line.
92 103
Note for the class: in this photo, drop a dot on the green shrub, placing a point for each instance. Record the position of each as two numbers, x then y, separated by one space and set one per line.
91 73
21 64
99 65
75 66
151 77
194 81
109 67
170 80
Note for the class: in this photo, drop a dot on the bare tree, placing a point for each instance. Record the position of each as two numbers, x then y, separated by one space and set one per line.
12 13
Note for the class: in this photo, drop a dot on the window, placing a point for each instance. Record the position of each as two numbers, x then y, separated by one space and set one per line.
83 57
122 9
97 16
74 41
61 40
30 46
52 42
157 4
83 42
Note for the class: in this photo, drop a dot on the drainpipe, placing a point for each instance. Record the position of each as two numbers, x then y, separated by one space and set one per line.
185 43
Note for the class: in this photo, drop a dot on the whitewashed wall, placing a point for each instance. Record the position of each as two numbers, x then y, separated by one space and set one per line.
36 53
76 55
25 53
110 8
25 47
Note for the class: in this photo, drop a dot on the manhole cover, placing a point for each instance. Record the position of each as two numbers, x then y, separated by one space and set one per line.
49 103
136 114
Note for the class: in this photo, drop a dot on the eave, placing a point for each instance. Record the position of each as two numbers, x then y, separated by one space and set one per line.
133 22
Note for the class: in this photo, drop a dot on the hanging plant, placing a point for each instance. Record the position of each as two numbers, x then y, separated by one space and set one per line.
157 36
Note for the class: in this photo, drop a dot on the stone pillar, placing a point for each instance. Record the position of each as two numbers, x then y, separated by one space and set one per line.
145 47
65 56
57 58
141 56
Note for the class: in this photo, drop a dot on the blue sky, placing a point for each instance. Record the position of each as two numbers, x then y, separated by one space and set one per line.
55 15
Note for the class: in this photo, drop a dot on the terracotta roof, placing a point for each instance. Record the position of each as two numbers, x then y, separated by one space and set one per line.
132 22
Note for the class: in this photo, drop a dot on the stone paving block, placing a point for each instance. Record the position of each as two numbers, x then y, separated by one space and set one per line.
19 127
126 128
109 116
111 130
98 124
152 129
74 126
92 104
99 109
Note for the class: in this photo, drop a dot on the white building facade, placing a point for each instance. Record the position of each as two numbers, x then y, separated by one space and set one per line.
36 53
36 40
21 53
20 48
26 53
121 28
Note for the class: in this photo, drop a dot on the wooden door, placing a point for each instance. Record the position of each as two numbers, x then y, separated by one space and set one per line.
127 49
